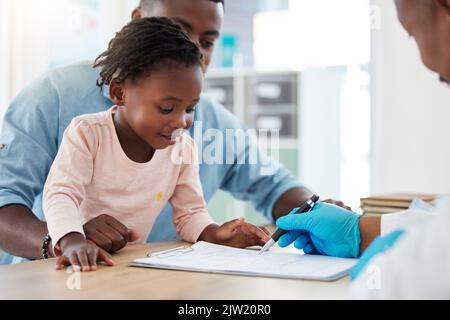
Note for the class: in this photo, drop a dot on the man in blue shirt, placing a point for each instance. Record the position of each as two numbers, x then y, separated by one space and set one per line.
35 121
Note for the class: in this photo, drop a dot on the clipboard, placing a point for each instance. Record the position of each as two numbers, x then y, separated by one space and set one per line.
212 258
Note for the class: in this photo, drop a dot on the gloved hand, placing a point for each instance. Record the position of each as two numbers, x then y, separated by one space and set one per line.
379 245
326 229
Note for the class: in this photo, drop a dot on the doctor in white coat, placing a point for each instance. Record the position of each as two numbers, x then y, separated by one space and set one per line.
404 255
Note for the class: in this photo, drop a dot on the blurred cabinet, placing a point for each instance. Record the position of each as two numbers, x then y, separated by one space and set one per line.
262 100
272 102
221 90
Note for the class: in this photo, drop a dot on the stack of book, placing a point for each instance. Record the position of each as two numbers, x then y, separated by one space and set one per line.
391 203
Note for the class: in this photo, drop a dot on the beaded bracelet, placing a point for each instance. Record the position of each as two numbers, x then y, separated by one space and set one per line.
45 243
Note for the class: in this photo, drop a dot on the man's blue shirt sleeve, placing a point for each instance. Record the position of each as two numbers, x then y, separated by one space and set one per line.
29 135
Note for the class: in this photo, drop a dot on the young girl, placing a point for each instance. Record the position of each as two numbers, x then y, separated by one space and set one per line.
129 161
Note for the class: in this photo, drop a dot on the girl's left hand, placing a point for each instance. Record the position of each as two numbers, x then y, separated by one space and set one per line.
237 233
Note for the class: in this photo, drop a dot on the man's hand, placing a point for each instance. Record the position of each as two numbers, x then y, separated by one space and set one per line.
236 233
293 198
338 203
108 233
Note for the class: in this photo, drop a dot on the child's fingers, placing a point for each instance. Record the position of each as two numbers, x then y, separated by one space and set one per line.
73 257
261 242
266 231
229 229
62 262
253 240
254 230
83 259
232 225
92 254
105 256
237 223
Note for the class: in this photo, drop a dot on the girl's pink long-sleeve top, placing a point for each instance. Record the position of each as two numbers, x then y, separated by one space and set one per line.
92 175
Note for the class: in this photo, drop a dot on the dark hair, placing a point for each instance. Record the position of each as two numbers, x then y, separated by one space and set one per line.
141 46
146 4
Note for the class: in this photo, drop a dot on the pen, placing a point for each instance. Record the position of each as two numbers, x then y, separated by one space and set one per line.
305 207
165 251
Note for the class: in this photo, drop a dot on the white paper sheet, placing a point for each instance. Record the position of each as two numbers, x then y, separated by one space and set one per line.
212 258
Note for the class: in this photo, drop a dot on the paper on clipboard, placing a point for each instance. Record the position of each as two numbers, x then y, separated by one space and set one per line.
213 258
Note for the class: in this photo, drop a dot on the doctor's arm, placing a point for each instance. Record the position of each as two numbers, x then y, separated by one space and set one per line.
369 229
417 266
334 231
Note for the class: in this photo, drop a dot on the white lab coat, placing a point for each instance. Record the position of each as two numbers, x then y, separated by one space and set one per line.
418 265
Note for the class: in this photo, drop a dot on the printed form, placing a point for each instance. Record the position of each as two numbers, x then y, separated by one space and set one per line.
213 258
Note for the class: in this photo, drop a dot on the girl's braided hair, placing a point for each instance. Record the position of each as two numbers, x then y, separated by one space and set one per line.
142 45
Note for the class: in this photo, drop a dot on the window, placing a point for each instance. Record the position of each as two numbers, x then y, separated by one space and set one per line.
38 35
325 46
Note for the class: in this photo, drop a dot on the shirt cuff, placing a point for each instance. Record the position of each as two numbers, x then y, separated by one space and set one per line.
57 235
193 231
405 220
7 199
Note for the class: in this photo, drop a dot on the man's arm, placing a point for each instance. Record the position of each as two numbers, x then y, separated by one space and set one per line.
289 200
293 198
29 138
18 220
21 233
29 134
416 266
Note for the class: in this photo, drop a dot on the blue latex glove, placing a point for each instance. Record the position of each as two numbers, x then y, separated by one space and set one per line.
327 229
379 245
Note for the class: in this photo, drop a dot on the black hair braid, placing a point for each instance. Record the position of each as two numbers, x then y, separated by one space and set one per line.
141 46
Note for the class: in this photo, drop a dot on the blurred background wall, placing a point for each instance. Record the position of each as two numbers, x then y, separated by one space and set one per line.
410 114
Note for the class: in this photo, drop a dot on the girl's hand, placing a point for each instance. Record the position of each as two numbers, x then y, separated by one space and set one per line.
82 254
236 233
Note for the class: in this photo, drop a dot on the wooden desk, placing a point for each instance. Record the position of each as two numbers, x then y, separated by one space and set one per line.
40 280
